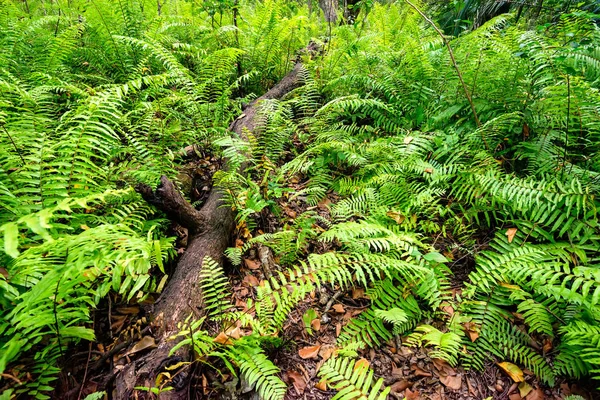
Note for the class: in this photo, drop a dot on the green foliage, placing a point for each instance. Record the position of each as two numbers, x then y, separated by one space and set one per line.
352 380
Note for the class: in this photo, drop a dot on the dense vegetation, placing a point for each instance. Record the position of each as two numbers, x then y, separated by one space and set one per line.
475 151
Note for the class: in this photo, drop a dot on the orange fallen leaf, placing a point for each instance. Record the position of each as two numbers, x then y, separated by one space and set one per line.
234 333
309 352
511 232
512 370
452 382
326 351
338 308
322 385
316 324
363 363
358 293
222 338
251 264
429 170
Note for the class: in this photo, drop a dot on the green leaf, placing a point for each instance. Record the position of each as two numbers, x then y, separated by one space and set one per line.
11 239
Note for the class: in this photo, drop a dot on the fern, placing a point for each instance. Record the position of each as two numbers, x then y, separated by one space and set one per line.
352 380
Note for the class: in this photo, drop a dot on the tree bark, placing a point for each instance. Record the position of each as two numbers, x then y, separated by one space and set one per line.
210 230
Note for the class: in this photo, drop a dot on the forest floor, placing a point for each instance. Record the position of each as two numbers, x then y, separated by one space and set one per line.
123 332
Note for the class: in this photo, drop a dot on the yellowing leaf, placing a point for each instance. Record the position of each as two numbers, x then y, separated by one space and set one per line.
513 371
511 232
524 389
399 218
408 139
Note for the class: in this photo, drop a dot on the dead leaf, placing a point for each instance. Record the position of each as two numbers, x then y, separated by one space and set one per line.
514 396
234 333
338 329
222 338
316 324
128 310
4 272
399 218
537 394
322 385
358 293
547 345
297 380
420 372
524 389
472 391
147 342
400 386
448 309
512 370
338 308
511 232
452 382
290 213
309 352
326 351
251 280
410 395
443 367
363 363
408 139
429 170
251 264
472 330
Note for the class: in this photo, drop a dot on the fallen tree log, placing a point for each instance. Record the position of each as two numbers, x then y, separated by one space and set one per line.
210 230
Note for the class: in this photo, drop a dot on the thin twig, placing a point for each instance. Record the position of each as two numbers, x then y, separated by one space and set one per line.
454 63
87 365
14 144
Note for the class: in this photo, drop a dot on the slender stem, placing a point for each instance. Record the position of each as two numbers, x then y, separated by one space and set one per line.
567 125
14 144
454 63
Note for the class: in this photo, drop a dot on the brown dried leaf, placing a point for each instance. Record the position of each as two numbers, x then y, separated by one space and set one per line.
4 272
420 372
251 280
472 330
309 352
537 394
252 264
358 293
410 395
326 351
338 308
511 232
297 380
128 310
429 170
316 324
222 338
147 342
514 396
512 370
452 382
400 386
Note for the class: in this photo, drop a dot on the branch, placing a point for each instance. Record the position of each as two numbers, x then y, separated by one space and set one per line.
168 199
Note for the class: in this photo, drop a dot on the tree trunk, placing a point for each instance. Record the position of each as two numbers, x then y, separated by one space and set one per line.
210 230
